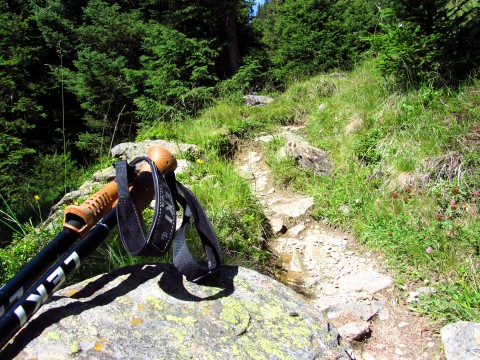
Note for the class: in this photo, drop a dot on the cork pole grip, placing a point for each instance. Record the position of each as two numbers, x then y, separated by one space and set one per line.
81 218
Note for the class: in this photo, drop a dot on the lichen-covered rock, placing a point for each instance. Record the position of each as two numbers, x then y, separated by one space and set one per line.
307 156
131 150
128 151
150 312
461 340
104 175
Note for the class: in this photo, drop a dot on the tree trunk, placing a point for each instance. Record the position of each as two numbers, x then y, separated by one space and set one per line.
231 26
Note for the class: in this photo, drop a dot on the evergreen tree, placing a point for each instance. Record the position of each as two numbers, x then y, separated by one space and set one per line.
302 37
264 23
351 22
99 43
306 37
23 90
30 114
109 42
92 72
103 42
177 74
224 23
429 40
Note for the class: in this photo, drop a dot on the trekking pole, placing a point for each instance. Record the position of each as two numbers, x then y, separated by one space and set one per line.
17 285
45 284
79 220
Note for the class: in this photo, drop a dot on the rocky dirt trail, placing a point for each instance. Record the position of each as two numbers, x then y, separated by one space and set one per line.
350 285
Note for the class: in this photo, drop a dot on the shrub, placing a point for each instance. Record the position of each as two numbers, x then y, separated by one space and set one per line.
429 41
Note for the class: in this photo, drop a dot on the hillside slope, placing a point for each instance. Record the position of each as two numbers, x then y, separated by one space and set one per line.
405 180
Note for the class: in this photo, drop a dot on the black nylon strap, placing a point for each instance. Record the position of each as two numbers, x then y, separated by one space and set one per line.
168 192
162 228
182 258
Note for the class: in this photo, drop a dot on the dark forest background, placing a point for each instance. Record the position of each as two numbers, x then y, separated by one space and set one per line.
78 77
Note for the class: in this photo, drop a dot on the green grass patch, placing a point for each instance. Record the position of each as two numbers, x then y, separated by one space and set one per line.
406 183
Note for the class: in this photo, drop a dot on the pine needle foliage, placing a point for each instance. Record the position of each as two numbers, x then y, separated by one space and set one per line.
432 41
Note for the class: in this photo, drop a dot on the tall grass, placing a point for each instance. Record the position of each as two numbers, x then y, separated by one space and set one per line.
405 180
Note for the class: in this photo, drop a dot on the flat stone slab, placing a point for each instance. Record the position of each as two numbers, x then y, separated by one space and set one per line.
151 312
294 209
367 280
364 310
257 100
461 340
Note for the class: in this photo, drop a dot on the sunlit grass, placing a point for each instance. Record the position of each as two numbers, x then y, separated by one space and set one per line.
397 158
392 190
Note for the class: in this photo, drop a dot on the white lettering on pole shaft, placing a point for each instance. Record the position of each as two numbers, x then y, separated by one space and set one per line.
57 278
73 256
22 317
16 296
39 299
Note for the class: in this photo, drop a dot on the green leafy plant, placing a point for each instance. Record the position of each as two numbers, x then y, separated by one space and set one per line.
366 148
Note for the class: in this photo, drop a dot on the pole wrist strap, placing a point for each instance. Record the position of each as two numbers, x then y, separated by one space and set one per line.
169 193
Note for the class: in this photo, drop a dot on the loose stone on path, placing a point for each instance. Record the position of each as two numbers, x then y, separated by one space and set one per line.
295 208
369 282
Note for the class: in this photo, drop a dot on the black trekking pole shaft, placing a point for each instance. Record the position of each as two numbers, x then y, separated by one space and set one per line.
80 220
29 303
32 271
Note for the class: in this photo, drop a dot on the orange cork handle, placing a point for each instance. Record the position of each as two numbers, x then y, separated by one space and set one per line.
81 218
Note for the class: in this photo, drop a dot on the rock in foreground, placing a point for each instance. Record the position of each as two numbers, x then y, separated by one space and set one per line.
131 150
150 312
461 340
